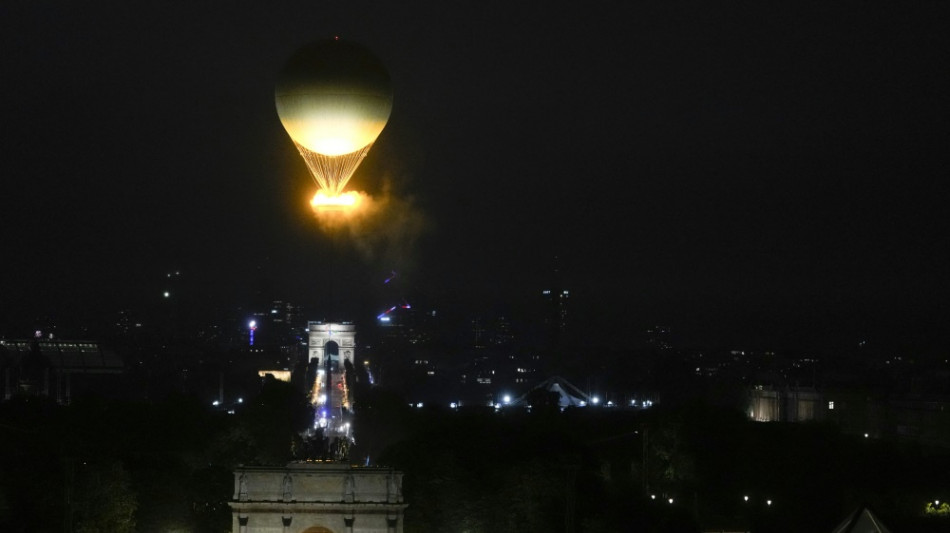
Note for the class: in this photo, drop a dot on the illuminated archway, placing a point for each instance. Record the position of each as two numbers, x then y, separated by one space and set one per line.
316 529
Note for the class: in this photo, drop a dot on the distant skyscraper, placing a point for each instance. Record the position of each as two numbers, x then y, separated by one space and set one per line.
554 319
555 306
555 300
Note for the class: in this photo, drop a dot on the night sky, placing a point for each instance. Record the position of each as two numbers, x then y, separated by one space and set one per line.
760 174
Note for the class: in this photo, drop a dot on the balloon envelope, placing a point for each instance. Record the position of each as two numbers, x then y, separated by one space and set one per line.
333 97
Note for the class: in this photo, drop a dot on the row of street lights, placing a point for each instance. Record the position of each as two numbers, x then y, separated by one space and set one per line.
745 498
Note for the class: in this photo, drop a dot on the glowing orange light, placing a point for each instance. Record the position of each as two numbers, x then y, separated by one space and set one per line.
322 200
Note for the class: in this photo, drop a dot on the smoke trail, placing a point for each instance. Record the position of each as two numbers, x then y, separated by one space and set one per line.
383 229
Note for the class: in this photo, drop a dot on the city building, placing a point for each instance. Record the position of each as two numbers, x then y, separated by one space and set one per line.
317 498
789 404
56 369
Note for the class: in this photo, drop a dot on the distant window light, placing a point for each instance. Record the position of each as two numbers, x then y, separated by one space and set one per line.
831 405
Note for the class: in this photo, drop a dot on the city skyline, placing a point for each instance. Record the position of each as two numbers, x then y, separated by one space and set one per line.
758 174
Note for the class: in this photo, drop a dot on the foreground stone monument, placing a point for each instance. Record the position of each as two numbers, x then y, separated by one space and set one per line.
317 498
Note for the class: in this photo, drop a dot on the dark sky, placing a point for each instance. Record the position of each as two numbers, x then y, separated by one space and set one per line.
761 173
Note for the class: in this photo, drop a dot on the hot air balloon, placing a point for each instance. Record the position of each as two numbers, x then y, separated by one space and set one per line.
333 98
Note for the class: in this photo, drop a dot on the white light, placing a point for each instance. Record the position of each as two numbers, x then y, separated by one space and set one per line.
216 403
240 400
507 399
865 435
166 294
419 405
653 496
453 405
768 502
671 501
595 400
746 498
252 324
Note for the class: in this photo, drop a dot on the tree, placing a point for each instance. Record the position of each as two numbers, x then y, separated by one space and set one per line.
273 422
106 503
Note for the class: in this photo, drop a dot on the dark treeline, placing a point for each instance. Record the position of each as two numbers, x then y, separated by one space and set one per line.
132 466
120 466
616 471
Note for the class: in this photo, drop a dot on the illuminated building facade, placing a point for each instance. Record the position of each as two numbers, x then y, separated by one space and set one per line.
317 498
784 405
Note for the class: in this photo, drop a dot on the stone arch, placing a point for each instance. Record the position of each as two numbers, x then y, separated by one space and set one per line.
343 334
331 355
